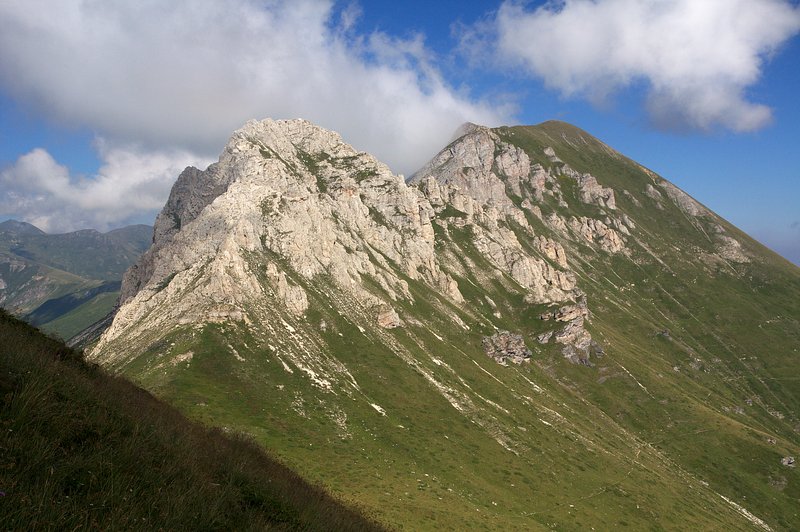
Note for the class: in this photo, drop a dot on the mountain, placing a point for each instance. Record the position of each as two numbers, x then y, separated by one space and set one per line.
19 228
532 332
65 282
82 449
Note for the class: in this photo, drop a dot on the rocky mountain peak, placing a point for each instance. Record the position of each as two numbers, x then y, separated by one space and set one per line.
506 304
311 205
300 195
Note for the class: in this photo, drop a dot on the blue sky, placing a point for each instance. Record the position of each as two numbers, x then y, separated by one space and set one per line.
102 104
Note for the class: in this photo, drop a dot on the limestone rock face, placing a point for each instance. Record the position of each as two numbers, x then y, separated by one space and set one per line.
190 194
597 232
653 192
476 175
296 193
463 174
388 319
590 190
552 250
290 204
684 202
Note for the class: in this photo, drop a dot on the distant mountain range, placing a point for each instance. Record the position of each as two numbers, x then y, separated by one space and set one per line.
533 332
65 282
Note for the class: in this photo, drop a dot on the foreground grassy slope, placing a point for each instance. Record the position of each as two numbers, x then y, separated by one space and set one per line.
80 449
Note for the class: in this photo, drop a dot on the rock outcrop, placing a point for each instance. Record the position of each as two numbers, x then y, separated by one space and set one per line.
506 347
684 202
578 343
596 232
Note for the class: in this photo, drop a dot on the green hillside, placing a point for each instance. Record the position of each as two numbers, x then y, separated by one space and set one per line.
678 417
82 450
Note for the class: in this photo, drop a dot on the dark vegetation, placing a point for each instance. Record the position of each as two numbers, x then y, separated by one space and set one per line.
81 449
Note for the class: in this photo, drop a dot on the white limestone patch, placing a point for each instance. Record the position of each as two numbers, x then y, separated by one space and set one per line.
285 365
184 357
318 381
747 515
236 354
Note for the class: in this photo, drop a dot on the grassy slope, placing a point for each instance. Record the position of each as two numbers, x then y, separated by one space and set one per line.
70 314
630 442
423 465
81 449
77 319
724 384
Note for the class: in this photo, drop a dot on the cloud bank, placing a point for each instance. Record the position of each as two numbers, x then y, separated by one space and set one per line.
129 184
180 76
696 58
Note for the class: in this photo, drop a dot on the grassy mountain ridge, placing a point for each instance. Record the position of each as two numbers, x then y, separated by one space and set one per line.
86 253
81 449
720 337
376 382
61 282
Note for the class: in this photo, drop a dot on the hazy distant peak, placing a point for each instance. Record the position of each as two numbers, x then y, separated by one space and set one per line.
20 228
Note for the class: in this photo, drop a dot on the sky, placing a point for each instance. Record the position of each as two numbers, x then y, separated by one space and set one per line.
104 102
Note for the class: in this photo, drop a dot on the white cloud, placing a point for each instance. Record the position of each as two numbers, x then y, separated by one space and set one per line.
696 57
130 186
186 73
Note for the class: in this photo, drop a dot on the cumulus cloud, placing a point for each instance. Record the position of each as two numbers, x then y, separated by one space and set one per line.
696 58
131 185
186 73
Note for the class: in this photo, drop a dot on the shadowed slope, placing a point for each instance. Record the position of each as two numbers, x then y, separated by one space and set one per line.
80 449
